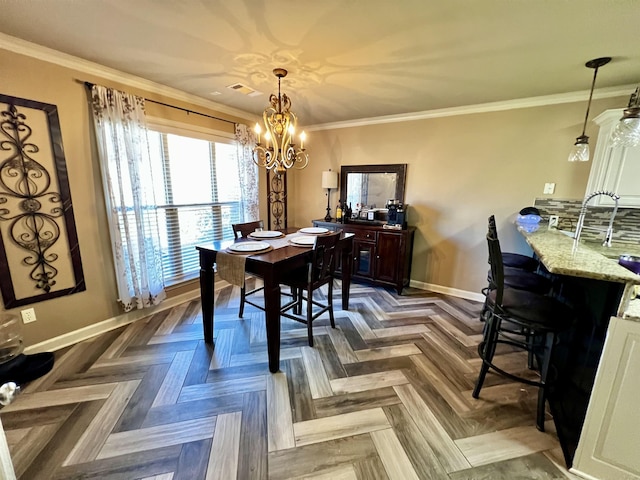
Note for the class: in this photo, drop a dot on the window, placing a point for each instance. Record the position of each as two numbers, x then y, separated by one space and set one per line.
197 189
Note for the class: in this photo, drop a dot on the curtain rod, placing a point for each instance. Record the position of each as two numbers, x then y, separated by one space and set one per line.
89 85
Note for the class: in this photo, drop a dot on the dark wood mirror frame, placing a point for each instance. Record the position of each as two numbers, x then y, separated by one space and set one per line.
400 169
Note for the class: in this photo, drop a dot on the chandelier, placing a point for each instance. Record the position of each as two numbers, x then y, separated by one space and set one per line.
627 132
580 150
279 152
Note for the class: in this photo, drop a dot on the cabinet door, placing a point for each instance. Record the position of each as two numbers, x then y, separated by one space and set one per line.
608 447
363 258
614 169
388 255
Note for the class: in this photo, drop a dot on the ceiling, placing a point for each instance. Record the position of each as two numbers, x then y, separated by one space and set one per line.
347 59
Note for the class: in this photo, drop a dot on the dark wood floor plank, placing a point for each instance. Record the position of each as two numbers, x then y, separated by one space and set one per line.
370 469
332 364
199 365
353 402
320 456
302 405
193 460
253 460
36 416
531 467
125 467
110 374
423 458
134 414
181 412
350 332
375 366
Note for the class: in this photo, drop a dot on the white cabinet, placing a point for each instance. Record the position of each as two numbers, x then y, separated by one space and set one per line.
610 439
614 169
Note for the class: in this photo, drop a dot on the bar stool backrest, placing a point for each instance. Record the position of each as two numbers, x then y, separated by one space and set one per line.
497 267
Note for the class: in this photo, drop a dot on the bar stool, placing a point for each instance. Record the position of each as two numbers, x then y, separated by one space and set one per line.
522 319
514 260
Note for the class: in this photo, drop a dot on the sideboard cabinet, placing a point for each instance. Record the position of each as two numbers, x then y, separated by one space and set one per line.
380 256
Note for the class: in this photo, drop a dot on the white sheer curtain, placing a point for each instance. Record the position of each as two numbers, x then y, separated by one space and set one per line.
248 173
121 133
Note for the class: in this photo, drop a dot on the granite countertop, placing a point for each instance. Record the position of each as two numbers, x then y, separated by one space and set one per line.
561 255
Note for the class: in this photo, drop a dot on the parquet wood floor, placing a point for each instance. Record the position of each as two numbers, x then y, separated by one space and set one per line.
385 395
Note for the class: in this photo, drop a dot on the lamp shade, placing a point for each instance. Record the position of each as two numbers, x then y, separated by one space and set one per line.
329 179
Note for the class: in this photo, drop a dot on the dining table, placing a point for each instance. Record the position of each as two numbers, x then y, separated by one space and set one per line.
272 266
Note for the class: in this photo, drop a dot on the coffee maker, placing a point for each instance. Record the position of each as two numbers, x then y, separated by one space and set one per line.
396 214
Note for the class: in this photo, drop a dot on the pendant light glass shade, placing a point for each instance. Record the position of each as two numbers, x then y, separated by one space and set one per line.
580 150
627 132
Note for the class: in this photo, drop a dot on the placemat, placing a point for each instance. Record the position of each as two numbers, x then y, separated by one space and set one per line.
231 267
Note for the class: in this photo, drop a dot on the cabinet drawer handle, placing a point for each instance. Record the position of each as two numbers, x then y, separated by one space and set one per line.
377 256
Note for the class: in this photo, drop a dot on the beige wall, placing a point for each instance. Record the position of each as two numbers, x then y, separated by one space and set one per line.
460 170
25 77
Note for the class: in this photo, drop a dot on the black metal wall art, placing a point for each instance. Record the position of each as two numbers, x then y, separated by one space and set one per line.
39 252
276 200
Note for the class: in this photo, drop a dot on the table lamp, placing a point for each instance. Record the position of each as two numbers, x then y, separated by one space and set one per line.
329 181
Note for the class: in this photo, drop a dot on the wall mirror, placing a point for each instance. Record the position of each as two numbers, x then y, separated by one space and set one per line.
372 185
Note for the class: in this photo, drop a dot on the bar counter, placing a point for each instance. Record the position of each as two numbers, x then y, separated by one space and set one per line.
561 255
588 277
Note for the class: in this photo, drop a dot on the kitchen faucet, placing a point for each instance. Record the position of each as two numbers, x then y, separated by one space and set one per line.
583 213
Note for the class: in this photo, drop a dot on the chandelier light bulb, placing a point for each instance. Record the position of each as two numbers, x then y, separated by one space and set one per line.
303 137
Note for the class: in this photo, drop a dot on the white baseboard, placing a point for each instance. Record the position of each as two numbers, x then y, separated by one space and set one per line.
89 331
454 292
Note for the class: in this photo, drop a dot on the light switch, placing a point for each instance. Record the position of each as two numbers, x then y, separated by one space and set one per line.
549 188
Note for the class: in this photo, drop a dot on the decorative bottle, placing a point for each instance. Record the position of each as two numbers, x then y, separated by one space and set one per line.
339 212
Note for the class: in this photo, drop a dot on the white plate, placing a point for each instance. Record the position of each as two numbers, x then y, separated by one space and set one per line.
314 230
249 246
303 240
265 234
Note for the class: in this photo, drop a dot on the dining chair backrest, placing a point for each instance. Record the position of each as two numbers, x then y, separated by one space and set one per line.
242 230
323 260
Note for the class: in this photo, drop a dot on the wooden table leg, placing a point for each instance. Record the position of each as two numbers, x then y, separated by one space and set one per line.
347 265
272 319
207 279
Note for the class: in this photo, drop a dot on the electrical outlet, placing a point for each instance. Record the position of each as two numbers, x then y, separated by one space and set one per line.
553 221
549 188
28 315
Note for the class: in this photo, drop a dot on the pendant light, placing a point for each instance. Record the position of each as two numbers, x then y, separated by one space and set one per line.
580 151
627 132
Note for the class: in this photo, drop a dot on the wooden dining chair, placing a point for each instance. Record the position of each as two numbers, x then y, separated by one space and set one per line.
305 281
242 230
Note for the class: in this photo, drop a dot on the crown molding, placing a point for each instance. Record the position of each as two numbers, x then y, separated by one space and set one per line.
542 101
46 54
22 47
